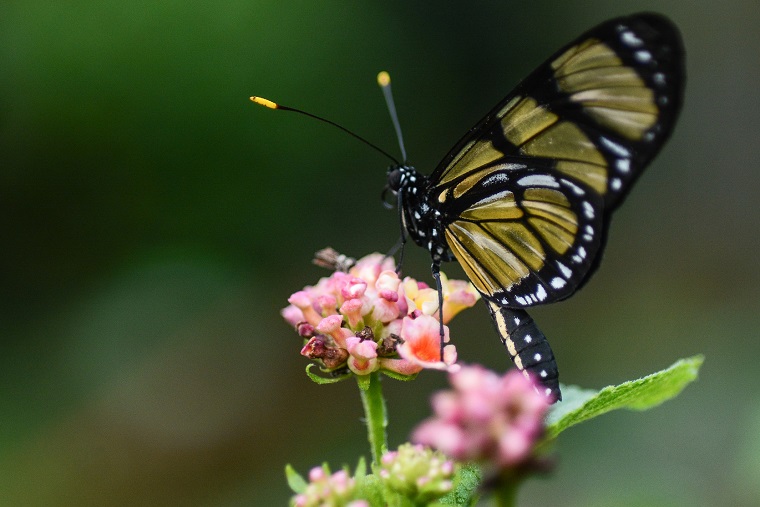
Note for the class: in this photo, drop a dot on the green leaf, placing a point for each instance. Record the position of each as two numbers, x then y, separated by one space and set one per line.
398 376
466 486
368 486
323 380
580 405
361 468
296 482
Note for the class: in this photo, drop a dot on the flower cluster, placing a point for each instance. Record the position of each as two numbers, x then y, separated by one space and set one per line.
327 489
369 319
486 418
418 473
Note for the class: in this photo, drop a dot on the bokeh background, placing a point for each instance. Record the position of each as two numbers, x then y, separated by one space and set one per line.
153 222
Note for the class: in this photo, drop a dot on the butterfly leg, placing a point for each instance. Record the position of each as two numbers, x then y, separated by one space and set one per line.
436 268
395 248
527 347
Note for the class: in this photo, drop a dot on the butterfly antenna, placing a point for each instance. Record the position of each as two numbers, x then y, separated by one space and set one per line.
273 105
384 80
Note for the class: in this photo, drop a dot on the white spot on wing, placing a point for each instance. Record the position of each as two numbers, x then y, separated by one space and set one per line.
629 38
558 282
643 56
565 270
616 184
543 180
588 210
580 255
623 165
616 148
541 292
537 357
575 188
492 198
528 338
509 167
495 179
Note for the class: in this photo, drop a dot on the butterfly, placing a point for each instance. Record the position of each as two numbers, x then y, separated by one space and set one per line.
523 201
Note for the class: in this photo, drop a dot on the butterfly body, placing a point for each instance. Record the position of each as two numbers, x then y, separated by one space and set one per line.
523 201
420 218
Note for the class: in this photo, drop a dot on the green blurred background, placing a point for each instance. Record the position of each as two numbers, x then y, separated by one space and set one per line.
153 222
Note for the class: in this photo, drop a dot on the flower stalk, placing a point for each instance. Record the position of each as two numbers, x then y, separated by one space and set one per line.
506 494
375 415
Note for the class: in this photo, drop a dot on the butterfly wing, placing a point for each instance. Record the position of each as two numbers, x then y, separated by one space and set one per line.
525 197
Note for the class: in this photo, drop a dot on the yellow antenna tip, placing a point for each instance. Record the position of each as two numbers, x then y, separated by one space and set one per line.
264 102
383 79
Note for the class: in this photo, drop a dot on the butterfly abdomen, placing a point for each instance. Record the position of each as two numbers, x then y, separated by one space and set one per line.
528 347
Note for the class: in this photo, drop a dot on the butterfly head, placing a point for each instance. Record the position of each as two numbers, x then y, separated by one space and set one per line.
401 177
420 220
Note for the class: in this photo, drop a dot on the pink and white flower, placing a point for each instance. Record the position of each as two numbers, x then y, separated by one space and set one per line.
355 315
491 419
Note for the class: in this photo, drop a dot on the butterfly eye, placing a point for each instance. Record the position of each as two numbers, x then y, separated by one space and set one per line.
394 179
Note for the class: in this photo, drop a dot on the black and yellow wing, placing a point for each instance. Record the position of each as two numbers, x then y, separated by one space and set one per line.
524 199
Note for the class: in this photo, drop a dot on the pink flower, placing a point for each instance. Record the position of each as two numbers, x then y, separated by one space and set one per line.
352 309
328 489
486 418
418 473
354 289
363 355
369 267
421 297
292 315
303 301
457 295
394 320
422 343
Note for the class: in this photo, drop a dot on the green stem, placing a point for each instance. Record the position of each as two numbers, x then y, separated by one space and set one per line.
506 494
504 489
375 415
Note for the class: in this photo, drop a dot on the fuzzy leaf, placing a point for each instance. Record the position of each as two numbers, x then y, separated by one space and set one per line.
323 380
642 394
296 482
398 376
466 486
361 468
